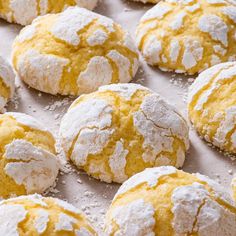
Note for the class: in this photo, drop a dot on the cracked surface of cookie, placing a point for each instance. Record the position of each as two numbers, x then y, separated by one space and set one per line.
28 162
7 83
23 12
165 201
74 52
122 129
212 106
188 36
37 215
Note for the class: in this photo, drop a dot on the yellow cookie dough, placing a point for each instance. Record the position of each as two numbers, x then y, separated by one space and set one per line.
188 36
28 162
233 185
35 215
74 52
122 129
165 201
212 106
23 12
7 83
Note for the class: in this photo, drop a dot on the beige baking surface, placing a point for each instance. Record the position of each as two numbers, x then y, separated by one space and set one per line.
90 195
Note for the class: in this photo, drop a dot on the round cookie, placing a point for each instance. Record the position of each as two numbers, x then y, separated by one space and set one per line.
74 52
23 12
37 215
165 201
28 162
212 105
7 83
233 185
122 129
188 36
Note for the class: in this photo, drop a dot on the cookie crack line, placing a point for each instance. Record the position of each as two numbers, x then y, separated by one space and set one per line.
84 128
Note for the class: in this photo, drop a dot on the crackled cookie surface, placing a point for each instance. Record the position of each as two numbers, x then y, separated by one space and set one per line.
28 163
7 82
122 129
23 12
188 36
165 201
74 52
37 215
212 105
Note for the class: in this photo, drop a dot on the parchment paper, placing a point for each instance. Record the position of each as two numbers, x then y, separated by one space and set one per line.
90 195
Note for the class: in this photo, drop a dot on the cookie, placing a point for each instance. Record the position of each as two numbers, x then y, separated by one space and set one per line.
28 162
37 215
122 129
23 12
74 52
188 36
7 83
166 201
212 106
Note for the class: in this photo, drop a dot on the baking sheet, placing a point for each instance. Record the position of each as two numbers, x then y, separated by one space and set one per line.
90 195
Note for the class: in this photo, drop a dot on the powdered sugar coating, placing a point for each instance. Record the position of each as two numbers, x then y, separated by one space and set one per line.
40 167
25 11
136 218
10 217
159 123
23 214
219 190
192 205
65 223
98 38
67 206
192 54
27 120
230 12
126 91
178 203
156 12
74 52
214 26
36 199
187 49
149 176
41 221
152 50
178 21
216 126
45 70
117 162
123 65
70 18
100 131
28 153
27 33
83 232
97 113
7 77
98 72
